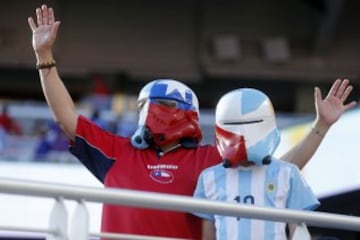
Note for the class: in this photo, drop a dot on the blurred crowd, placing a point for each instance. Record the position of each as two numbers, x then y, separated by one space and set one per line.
28 133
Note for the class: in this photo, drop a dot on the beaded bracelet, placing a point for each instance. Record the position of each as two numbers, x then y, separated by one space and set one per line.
316 131
43 65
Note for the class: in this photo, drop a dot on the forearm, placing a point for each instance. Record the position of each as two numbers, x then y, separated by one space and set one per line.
209 231
302 152
57 97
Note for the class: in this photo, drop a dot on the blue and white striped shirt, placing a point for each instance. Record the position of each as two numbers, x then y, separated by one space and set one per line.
278 185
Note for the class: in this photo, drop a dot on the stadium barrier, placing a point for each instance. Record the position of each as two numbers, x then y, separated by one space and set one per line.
60 228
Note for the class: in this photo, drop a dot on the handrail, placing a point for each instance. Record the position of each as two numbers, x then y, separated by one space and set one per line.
130 236
29 229
176 203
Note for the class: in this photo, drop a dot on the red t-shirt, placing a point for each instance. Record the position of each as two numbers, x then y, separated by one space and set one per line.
116 163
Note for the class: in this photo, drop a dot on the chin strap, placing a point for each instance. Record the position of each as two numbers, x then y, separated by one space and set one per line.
189 143
227 163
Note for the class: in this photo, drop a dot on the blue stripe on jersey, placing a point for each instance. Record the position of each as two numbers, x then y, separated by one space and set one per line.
245 198
221 190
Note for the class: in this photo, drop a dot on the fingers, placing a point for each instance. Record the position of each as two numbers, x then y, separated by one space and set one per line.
55 28
334 88
51 16
39 16
350 105
346 93
31 23
342 88
44 16
317 96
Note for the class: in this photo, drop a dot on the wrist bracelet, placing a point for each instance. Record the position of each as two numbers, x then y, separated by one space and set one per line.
43 65
317 132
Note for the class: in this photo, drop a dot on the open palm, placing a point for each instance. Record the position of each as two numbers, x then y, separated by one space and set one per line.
330 109
45 31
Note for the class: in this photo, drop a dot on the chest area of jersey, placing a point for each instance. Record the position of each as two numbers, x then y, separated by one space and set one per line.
153 173
247 187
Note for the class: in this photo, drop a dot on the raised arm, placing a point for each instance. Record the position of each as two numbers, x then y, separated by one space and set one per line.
328 111
44 34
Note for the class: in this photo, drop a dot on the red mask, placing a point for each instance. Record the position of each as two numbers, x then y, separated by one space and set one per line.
231 147
168 124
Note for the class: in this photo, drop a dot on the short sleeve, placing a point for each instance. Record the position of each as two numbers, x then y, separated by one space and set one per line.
201 194
94 147
301 196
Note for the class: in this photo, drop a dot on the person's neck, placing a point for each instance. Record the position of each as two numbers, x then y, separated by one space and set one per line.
247 164
169 147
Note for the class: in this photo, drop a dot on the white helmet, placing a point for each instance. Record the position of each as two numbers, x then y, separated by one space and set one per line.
246 127
169 111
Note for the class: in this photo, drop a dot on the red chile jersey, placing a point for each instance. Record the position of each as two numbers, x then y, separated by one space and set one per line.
117 164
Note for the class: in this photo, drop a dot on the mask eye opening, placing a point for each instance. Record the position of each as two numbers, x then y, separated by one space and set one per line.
166 102
243 122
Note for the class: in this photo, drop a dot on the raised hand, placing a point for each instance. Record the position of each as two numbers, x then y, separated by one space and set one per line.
330 109
45 31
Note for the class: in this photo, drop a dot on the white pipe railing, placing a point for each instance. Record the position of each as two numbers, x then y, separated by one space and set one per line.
175 202
29 229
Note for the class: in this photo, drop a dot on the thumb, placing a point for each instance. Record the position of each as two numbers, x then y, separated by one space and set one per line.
55 28
317 96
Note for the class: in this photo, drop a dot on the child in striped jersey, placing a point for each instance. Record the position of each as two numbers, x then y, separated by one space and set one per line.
246 137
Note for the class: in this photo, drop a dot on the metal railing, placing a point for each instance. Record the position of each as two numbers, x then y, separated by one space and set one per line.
58 220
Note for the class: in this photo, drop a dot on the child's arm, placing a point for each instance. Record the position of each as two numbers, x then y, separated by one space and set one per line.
208 229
